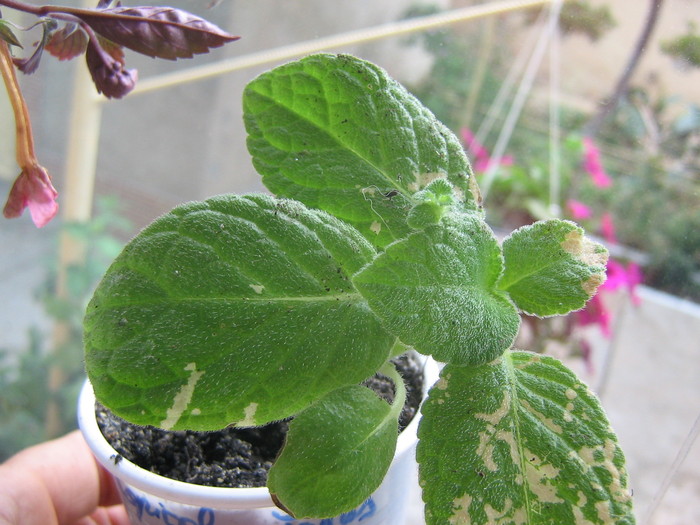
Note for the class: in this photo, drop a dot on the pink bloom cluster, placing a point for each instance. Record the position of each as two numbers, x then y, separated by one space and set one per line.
479 155
619 276
593 165
578 210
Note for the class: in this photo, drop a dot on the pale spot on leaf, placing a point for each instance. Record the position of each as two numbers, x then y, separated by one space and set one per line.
182 398
426 178
538 476
548 422
496 417
375 227
248 416
588 252
442 382
460 507
592 283
257 288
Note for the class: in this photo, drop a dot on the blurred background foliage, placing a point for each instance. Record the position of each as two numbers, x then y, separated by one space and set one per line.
24 376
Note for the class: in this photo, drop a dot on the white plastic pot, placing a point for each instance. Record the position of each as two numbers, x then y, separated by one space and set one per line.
151 499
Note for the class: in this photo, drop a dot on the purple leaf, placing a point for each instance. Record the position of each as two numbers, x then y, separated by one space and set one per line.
162 32
108 73
67 43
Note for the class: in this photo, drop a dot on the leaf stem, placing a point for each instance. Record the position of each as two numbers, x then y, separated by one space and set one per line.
25 152
389 370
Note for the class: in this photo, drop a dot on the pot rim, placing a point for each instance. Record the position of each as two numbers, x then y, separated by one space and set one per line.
200 495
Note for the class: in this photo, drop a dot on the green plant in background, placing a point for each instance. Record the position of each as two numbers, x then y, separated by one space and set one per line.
24 382
656 187
685 47
579 16
456 88
248 309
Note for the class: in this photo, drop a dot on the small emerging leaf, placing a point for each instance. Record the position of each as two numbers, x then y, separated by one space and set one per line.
7 34
337 452
519 440
436 291
162 32
67 43
551 267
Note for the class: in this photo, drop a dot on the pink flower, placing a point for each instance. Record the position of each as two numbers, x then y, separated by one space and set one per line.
578 210
620 276
593 165
595 313
481 159
607 227
33 190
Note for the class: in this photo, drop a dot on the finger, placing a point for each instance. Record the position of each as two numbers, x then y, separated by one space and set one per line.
57 482
115 515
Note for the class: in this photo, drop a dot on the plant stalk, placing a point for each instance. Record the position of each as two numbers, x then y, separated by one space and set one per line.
593 127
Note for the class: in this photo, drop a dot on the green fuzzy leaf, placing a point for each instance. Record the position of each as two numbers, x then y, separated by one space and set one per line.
519 441
337 452
551 268
236 310
336 133
436 291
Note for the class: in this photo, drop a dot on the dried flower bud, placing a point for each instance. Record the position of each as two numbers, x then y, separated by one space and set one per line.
109 74
32 189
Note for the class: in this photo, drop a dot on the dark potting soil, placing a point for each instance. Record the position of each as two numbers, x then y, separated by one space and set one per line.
232 457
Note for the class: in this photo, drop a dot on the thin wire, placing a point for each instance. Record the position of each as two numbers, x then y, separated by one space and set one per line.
506 88
520 98
338 40
555 124
673 470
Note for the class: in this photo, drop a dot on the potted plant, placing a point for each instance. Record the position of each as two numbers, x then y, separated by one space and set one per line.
246 309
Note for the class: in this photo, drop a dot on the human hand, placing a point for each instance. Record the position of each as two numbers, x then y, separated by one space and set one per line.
58 483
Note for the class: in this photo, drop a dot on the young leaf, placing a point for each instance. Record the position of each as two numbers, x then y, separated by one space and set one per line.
236 310
7 34
337 452
67 43
436 291
161 32
107 70
30 65
551 268
336 133
533 446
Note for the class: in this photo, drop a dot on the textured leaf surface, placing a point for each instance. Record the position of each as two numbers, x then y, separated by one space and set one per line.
551 268
236 310
519 441
162 32
336 133
436 291
337 452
